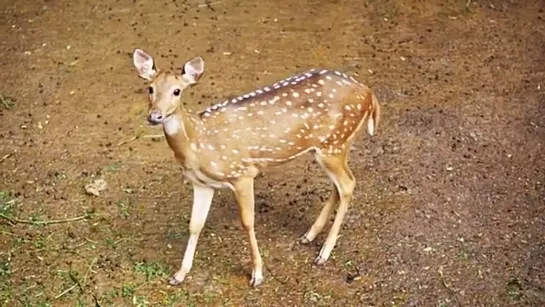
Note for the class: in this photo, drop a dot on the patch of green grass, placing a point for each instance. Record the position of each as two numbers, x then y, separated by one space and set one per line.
107 298
39 244
127 189
110 243
140 301
6 291
5 267
67 277
462 255
123 208
128 290
209 297
35 217
182 298
33 295
6 203
59 175
111 294
442 304
113 167
175 233
514 290
19 241
6 296
317 299
173 299
150 270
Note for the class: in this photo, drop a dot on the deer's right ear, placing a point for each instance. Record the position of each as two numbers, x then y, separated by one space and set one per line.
143 63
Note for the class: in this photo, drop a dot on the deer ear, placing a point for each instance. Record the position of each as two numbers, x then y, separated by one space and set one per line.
144 65
193 70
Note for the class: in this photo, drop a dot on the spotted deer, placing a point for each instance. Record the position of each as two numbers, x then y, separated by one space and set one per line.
228 144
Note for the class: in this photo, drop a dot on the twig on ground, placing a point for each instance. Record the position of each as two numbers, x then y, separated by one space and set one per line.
274 275
91 241
77 282
76 246
89 269
3 99
208 4
138 136
153 136
66 291
449 287
27 288
46 222
442 277
8 233
6 156
134 138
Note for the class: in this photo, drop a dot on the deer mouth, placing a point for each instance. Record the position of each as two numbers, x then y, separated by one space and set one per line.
157 120
152 122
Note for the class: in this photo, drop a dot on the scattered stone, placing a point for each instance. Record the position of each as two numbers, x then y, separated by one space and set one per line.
95 187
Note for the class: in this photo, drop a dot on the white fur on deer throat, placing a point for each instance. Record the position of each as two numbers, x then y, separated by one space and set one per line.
173 125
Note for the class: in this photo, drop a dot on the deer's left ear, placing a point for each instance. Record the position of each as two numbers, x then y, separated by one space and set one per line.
193 70
143 63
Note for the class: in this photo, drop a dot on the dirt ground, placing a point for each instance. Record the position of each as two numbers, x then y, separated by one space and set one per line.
448 210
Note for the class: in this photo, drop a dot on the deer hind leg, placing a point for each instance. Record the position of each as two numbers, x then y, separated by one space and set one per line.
337 169
321 220
244 193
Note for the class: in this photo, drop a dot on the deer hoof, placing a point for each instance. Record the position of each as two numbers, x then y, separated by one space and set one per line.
174 282
257 279
254 282
304 240
320 261
177 279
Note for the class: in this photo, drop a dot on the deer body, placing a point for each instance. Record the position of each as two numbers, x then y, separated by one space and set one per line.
226 145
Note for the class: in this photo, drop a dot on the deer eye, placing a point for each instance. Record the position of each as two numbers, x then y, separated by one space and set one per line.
177 92
150 90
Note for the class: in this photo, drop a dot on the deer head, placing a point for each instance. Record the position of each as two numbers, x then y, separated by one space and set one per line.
166 87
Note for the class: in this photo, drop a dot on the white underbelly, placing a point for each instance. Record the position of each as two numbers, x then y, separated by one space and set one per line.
197 177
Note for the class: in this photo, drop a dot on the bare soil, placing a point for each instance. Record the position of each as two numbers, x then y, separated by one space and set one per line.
449 206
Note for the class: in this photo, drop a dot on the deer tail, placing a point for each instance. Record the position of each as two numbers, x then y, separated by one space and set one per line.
373 119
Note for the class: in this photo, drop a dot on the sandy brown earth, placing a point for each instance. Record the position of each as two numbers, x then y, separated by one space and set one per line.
448 210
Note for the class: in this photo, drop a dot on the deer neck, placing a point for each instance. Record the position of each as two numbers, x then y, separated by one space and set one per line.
181 131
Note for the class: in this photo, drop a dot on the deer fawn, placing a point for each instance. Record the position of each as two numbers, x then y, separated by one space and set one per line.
226 145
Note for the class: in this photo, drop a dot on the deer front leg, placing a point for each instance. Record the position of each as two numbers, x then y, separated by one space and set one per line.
202 199
244 193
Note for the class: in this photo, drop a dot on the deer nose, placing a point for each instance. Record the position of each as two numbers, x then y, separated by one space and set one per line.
155 117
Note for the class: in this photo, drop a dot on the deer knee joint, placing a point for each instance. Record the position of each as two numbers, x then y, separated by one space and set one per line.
247 225
347 189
